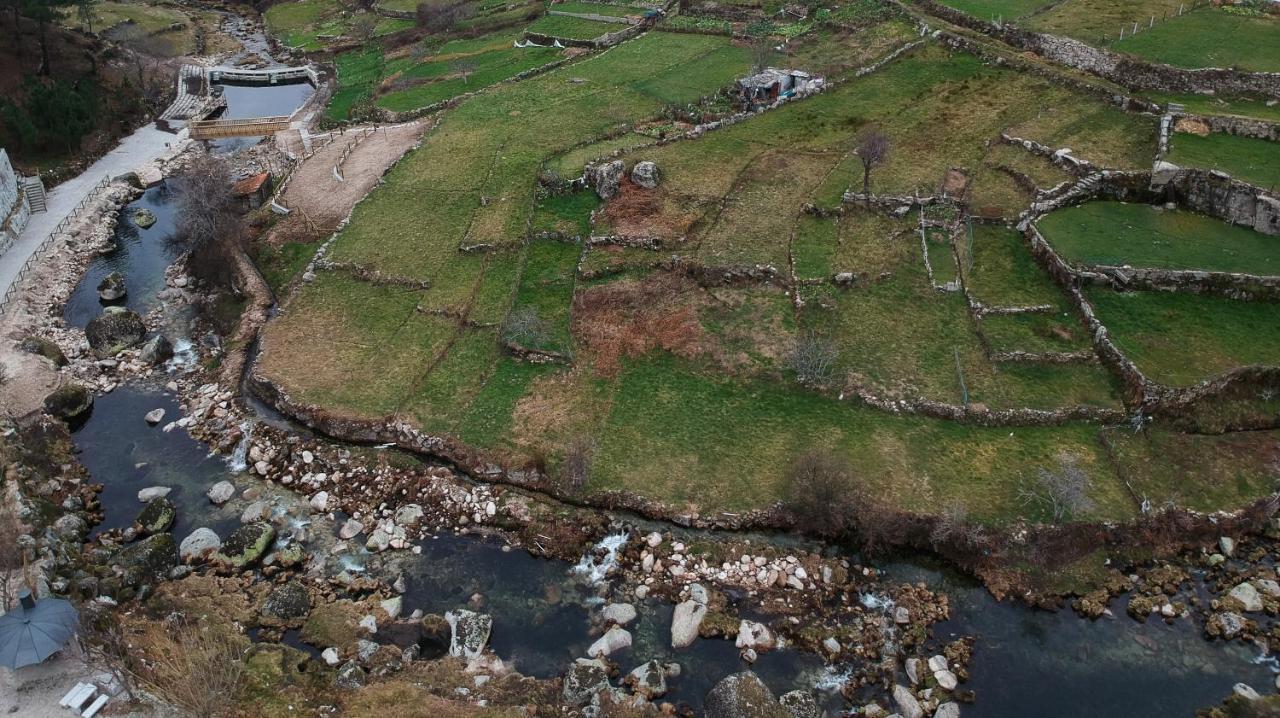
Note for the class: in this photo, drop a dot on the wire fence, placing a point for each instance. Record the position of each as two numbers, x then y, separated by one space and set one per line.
43 250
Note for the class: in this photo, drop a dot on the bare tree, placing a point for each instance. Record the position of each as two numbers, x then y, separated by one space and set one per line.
463 66
761 45
209 224
1062 494
873 149
954 527
814 360
437 17
364 28
419 52
821 492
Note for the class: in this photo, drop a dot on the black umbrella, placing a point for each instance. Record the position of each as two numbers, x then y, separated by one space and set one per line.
35 630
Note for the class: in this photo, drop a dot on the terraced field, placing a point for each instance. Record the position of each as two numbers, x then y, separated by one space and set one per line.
676 386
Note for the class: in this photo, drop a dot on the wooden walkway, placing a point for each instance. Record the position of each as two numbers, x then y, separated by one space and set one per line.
251 127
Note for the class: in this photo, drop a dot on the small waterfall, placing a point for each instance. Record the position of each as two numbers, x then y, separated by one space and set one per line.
596 569
185 355
885 605
833 678
238 461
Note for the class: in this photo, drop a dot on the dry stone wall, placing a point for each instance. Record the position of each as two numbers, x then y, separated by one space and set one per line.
1123 69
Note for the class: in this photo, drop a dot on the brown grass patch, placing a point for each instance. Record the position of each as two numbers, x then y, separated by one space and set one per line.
631 318
639 212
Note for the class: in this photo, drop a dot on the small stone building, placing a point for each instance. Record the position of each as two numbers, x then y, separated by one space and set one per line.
253 191
768 86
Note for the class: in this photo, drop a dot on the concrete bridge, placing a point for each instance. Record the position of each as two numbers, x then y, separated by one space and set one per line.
269 76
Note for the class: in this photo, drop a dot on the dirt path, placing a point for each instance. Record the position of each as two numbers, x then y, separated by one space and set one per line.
318 201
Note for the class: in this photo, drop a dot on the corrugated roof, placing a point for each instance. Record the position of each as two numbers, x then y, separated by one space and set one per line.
250 184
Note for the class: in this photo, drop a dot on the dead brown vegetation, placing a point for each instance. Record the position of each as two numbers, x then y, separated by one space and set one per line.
631 318
639 212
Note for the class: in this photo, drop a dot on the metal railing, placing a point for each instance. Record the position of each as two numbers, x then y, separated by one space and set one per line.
47 243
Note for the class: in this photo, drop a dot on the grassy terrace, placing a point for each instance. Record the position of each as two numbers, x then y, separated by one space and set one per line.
1181 339
595 8
572 28
684 393
1248 159
1138 235
1009 10
300 24
1093 20
1210 37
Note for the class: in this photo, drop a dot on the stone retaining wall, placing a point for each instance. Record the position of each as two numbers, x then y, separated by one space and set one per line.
1239 126
1123 69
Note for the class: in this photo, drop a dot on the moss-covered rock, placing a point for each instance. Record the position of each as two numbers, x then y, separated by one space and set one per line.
144 218
45 348
148 560
287 602
156 517
333 624
246 545
69 402
112 287
742 695
113 331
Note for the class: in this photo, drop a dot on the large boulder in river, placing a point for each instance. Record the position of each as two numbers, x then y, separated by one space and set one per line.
113 331
688 617
470 632
246 545
742 695
156 517
586 678
288 602
45 348
112 287
148 560
157 349
69 402
199 546
144 218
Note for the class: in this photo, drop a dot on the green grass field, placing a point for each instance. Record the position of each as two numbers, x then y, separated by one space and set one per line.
1118 234
572 28
301 23
1181 339
1008 10
595 8
1210 37
685 392
1251 160
1092 20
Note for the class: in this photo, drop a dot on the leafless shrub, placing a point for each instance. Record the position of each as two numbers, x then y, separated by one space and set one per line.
954 528
441 18
761 45
105 644
821 492
1062 494
198 669
463 66
525 327
576 469
814 360
364 28
873 150
209 225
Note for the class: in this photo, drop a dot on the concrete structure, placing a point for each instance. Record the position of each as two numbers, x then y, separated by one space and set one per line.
15 209
766 87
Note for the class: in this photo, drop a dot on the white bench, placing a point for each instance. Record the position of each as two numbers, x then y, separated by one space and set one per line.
97 705
78 696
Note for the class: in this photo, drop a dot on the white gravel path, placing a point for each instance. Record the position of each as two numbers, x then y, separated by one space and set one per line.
138 148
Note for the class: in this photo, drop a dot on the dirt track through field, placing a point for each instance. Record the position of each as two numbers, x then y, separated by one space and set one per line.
318 200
